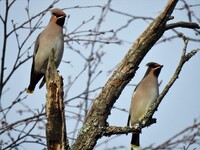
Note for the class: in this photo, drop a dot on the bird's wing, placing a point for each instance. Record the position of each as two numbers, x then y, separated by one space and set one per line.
129 116
34 53
36 45
128 122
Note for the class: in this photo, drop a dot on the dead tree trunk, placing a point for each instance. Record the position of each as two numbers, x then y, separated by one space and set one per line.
55 127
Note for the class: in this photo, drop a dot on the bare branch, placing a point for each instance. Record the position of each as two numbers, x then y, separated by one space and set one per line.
184 58
182 24
189 136
145 122
97 116
113 130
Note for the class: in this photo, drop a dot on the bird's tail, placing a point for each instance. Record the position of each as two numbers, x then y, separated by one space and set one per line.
35 77
30 89
135 141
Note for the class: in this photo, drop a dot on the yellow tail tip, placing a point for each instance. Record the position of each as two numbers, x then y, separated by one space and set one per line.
29 91
134 146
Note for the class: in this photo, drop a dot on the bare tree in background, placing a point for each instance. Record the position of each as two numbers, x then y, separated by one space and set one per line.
90 115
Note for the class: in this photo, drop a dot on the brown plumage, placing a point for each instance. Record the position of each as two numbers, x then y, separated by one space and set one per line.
51 38
143 97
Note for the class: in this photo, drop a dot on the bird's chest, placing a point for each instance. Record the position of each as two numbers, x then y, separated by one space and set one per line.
49 43
148 92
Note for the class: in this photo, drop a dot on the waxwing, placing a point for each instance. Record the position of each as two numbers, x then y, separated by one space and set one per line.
145 94
49 40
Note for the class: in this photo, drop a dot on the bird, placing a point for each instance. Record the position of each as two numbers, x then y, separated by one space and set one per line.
50 40
144 95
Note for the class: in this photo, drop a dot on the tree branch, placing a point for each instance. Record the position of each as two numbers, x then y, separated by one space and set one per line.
96 119
145 121
184 58
182 24
191 137
112 130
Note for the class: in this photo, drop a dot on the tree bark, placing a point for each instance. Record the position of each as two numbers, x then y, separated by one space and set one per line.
55 127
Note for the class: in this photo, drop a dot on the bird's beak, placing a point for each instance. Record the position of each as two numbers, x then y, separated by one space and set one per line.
160 66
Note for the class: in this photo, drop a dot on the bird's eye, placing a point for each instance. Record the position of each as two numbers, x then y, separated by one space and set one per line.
154 66
57 15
